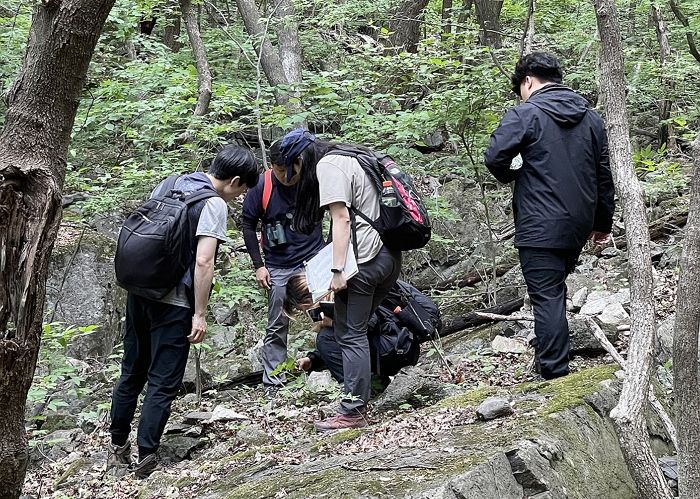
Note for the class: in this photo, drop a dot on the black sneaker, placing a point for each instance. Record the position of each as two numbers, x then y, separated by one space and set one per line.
144 467
119 455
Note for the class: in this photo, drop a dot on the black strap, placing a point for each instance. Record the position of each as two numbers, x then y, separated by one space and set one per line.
169 185
199 194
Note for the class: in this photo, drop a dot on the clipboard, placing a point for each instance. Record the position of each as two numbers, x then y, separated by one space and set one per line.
318 271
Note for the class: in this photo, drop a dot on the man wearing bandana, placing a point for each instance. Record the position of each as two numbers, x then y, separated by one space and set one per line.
285 251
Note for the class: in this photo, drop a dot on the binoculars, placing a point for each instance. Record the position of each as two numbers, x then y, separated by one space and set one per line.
274 232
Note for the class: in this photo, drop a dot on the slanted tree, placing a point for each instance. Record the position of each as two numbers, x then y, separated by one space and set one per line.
629 414
42 104
200 57
683 19
685 346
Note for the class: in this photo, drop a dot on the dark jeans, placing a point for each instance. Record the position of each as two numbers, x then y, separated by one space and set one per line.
545 272
353 308
155 350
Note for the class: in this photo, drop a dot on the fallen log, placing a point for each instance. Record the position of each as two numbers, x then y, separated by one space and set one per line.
471 278
474 319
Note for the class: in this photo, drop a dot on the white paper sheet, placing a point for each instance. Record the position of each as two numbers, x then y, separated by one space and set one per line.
318 271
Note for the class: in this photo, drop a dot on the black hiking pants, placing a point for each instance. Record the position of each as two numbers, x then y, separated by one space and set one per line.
155 351
545 272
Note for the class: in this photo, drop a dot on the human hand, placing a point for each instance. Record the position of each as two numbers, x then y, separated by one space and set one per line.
338 283
303 364
199 329
262 277
600 238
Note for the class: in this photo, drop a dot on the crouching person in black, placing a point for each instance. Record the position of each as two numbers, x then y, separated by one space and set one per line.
404 319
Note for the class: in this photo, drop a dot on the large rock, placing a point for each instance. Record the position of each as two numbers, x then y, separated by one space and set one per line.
583 342
81 290
567 448
494 407
664 339
412 386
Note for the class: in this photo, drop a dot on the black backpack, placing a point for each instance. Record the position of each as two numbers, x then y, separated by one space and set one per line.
156 245
396 335
403 227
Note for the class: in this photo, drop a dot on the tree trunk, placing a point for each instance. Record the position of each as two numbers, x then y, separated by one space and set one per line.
685 347
269 58
171 32
33 148
200 57
688 35
405 23
629 414
488 13
529 33
447 16
288 40
665 104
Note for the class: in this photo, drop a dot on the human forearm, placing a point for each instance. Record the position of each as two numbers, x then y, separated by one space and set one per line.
341 234
250 238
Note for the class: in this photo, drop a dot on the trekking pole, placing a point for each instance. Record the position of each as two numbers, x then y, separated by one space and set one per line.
442 357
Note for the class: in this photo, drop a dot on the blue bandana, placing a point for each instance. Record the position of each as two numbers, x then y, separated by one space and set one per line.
293 144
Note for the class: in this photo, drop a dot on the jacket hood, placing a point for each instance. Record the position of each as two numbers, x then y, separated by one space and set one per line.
563 105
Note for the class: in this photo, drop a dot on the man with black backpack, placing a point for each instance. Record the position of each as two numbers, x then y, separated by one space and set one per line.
165 259
405 319
271 203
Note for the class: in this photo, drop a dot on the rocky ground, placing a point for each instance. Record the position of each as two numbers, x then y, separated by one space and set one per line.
470 421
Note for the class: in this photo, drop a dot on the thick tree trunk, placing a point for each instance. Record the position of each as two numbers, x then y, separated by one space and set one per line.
405 23
665 104
200 57
628 415
288 40
171 33
688 35
488 13
685 347
33 146
269 57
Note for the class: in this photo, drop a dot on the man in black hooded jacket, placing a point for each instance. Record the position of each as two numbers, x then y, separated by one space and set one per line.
563 195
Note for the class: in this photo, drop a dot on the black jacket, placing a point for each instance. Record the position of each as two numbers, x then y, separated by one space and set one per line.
564 189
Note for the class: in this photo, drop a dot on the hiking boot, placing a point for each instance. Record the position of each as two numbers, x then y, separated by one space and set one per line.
119 455
341 422
144 467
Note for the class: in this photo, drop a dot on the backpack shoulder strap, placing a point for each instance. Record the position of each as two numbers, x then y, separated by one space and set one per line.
267 189
168 185
200 194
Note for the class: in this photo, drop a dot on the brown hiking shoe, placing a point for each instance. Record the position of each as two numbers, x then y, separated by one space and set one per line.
341 422
118 455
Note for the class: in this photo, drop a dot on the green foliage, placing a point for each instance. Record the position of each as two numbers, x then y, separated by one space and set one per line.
58 378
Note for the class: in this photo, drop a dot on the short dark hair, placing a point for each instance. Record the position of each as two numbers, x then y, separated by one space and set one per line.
545 67
276 157
235 161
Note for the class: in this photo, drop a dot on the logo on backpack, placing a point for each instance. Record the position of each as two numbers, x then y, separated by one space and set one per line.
403 222
157 243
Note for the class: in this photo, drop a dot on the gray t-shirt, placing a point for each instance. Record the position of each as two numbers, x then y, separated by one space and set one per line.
342 179
212 223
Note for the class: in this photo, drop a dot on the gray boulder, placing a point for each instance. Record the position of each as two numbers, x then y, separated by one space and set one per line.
494 407
176 448
412 386
81 290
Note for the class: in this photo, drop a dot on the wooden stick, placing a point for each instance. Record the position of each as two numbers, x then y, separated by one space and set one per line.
499 317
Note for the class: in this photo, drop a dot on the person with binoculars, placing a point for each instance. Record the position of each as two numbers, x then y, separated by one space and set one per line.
271 204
